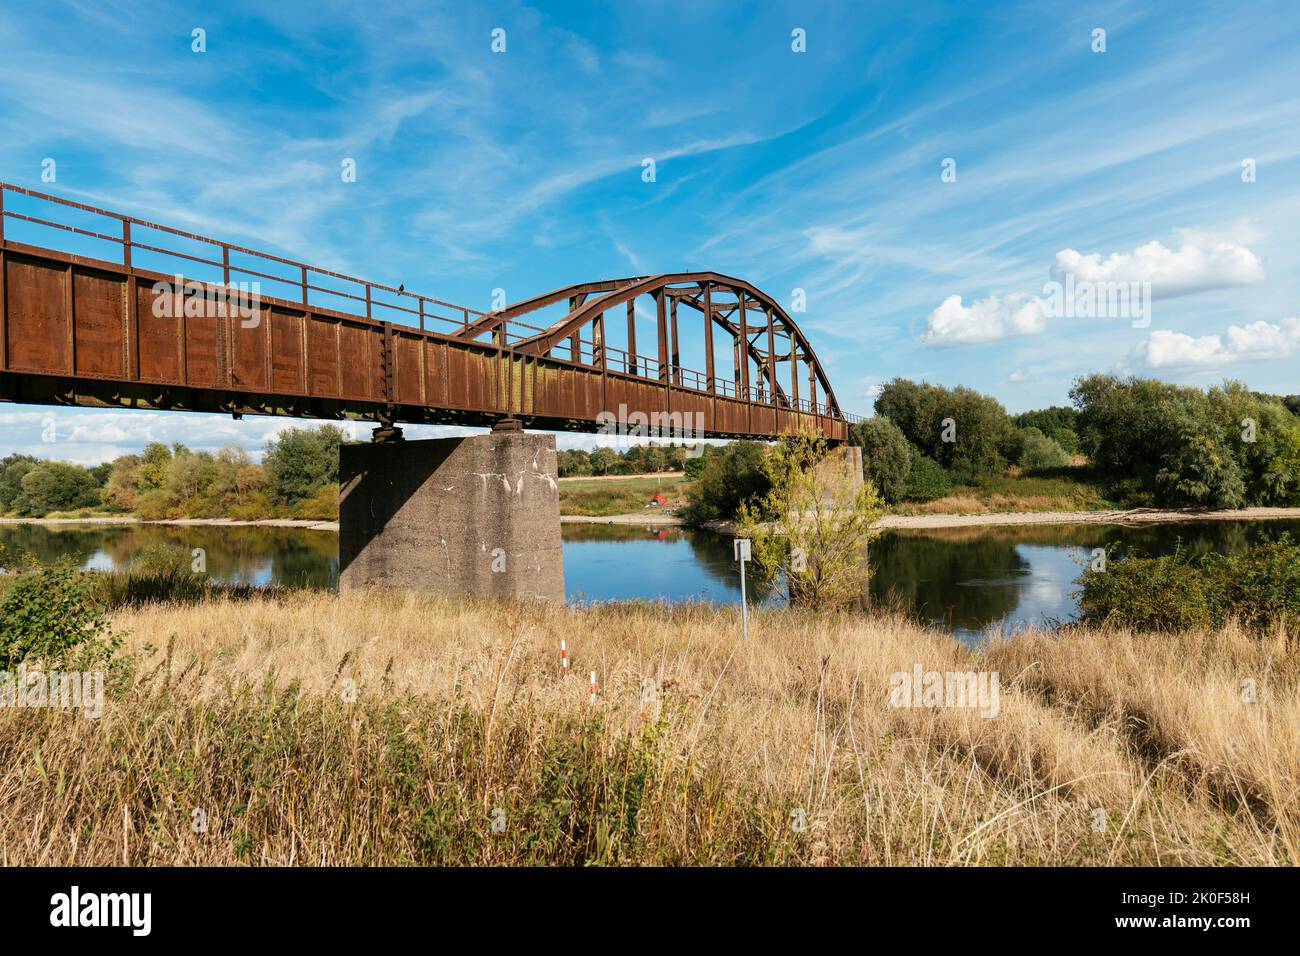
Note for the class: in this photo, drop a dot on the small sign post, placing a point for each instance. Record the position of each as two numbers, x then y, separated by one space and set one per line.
743 555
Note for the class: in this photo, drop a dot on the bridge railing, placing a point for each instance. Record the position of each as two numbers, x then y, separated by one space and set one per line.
138 243
79 229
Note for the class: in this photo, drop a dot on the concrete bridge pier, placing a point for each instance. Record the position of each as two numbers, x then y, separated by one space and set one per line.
476 516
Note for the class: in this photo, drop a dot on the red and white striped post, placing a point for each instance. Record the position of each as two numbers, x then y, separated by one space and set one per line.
564 655
593 687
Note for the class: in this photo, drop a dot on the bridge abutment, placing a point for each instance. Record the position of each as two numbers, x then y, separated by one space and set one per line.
844 463
476 516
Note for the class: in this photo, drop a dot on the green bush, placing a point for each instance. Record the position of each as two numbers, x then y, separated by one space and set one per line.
1050 420
1067 438
978 439
156 505
1259 588
731 476
1038 452
300 461
55 486
1177 446
161 557
926 479
50 617
321 506
886 456
694 467
258 506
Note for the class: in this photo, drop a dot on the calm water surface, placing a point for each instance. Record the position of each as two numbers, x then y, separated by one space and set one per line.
967 580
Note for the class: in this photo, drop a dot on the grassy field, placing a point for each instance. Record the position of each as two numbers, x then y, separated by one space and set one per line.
604 497
1065 489
302 728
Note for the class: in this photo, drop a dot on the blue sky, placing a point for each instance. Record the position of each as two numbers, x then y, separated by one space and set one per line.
819 170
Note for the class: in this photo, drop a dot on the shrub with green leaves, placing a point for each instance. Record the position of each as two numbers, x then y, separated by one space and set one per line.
50 617
694 467
1038 452
1176 446
732 476
969 434
1259 588
926 479
886 456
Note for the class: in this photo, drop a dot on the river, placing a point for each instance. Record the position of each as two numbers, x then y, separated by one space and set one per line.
970 581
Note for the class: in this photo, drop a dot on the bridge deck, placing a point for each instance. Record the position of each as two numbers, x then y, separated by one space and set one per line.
79 329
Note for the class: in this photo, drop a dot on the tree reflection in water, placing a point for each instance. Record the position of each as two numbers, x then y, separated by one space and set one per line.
233 554
965 579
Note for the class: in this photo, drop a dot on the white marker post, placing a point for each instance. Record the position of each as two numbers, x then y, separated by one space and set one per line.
742 555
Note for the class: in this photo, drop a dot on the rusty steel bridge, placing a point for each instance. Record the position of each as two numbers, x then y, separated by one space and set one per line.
101 309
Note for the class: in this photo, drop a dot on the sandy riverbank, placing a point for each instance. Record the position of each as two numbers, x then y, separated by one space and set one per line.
663 520
1001 519
1133 516
184 522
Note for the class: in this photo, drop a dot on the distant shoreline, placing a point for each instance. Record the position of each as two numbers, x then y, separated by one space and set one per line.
1132 516
305 523
659 519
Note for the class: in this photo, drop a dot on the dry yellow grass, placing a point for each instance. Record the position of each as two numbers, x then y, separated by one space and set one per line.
245 711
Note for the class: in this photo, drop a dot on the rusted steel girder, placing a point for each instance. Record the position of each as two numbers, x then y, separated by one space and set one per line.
698 295
79 329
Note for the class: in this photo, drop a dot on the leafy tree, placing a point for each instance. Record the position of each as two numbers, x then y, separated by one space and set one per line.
733 475
886 456
926 479
1256 429
1067 438
1037 451
1282 476
56 486
298 462
155 463
969 434
12 470
602 460
99 473
1048 420
190 480
1172 445
122 490
694 467
1059 423
1199 469
812 525
572 462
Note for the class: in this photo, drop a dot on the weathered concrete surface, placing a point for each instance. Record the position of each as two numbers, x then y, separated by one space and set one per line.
843 463
475 516
852 458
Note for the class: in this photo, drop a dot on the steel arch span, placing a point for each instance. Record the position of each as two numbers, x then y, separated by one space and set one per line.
101 309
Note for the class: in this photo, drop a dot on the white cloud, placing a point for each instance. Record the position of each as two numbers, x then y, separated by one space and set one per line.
1254 342
985 320
1201 262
